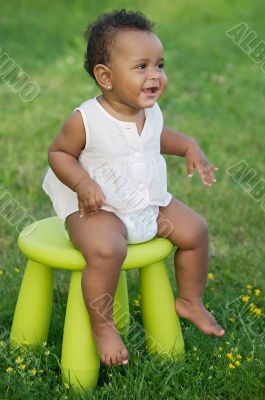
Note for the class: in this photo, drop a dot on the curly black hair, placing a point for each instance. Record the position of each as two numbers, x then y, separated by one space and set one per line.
101 34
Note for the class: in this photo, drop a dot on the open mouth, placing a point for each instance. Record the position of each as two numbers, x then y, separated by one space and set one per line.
151 90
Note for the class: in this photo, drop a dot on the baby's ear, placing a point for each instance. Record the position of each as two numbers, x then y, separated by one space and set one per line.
103 76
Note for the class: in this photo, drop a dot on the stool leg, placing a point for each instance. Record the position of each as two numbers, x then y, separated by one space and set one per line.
160 320
34 305
121 306
80 360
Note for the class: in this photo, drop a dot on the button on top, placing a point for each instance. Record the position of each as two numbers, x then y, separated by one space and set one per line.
138 155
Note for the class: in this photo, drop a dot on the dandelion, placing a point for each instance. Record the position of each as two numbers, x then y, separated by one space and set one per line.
245 299
230 356
257 292
231 366
22 366
136 303
9 370
16 269
258 311
249 286
238 356
210 276
237 363
252 307
33 371
19 360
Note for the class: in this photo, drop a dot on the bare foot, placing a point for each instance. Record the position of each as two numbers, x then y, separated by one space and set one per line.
199 316
111 348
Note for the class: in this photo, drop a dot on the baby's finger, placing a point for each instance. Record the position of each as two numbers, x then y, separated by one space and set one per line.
99 198
92 207
201 172
190 167
81 209
210 173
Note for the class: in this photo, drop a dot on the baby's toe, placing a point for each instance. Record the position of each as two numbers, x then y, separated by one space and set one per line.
119 358
108 361
125 356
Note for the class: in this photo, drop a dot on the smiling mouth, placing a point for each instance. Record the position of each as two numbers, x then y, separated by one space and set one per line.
151 90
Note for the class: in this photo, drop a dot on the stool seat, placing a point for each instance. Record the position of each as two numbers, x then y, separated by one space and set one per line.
45 242
47 248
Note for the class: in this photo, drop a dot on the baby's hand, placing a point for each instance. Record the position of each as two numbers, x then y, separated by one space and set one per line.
90 196
195 158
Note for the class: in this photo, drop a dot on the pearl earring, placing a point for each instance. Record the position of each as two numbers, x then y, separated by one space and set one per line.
109 87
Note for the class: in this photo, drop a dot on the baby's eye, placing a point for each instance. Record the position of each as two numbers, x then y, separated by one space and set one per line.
160 66
141 66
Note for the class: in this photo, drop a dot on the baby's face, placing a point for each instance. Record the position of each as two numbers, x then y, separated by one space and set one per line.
137 69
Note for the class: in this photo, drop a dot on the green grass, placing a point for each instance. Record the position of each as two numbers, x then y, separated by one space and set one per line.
215 94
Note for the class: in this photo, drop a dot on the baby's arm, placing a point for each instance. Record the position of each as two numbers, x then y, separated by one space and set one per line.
178 144
63 159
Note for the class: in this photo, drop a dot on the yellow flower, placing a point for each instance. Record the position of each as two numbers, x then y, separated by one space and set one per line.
22 366
252 307
210 276
237 363
230 356
231 366
16 269
257 292
245 299
249 286
19 360
9 370
33 371
136 303
238 356
258 311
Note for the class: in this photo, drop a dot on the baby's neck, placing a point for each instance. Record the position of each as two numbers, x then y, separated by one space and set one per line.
122 112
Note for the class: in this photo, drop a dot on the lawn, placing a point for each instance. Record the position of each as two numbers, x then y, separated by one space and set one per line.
216 94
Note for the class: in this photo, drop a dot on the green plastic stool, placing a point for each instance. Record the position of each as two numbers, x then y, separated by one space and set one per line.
47 248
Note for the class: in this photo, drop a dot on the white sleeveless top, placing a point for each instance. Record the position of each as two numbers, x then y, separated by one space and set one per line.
127 166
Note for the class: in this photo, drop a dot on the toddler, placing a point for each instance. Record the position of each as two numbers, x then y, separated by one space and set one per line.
107 177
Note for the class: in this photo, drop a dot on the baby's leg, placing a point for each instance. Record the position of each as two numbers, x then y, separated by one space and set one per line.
102 239
188 231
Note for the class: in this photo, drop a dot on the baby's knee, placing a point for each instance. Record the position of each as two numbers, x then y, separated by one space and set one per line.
200 229
111 250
